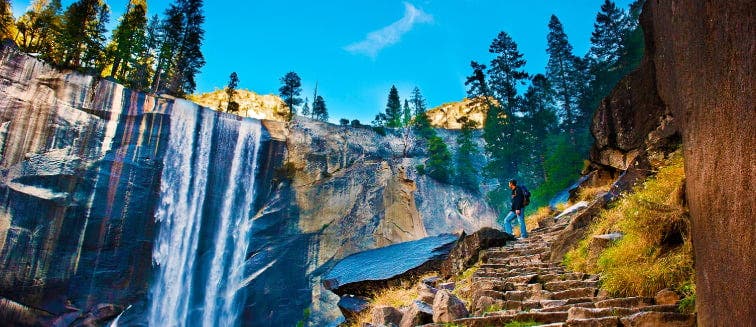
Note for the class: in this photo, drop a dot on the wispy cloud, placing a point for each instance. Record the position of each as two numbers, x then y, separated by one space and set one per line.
376 40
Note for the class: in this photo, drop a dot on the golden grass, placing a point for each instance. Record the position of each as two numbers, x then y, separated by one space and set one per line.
644 261
397 297
532 221
563 206
590 193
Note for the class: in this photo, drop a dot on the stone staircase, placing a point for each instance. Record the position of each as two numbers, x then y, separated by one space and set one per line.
518 283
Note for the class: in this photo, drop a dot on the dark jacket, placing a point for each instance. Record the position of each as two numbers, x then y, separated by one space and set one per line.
517 199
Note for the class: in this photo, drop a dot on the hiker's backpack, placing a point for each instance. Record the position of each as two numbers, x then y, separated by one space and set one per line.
525 195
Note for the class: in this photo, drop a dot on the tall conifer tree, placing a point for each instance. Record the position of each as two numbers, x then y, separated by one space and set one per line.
561 72
129 42
393 109
290 90
467 173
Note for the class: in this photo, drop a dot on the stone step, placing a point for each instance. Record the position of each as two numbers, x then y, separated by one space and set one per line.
492 284
589 313
566 307
627 302
540 317
516 260
523 279
498 253
586 292
594 322
568 284
545 278
666 319
536 266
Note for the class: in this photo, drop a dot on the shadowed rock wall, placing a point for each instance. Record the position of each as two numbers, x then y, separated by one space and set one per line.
705 54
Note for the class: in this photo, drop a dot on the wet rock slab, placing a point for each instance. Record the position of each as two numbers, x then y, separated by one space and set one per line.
364 272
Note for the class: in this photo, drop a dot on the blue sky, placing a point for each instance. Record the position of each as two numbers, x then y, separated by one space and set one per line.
355 50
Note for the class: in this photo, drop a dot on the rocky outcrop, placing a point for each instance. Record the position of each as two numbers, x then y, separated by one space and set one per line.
467 250
448 115
251 104
704 54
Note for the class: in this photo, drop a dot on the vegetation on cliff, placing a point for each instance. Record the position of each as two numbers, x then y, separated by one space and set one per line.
654 251
157 54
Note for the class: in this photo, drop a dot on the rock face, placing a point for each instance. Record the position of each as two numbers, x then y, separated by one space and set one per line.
251 104
696 80
102 187
81 163
447 115
704 55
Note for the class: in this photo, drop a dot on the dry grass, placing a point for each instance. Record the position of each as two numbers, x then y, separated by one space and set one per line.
563 206
397 297
655 252
590 193
532 221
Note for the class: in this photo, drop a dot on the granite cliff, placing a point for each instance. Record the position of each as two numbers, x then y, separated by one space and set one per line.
111 196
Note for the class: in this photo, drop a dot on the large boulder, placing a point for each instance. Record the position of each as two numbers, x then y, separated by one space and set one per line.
352 306
704 54
447 307
418 313
386 316
467 250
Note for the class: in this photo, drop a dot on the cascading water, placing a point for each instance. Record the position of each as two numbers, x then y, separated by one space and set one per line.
204 219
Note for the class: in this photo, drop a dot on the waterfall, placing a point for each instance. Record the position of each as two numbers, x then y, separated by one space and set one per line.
207 191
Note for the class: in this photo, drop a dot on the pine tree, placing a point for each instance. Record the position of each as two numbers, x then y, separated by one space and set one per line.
168 38
290 90
407 114
467 150
38 29
439 159
82 38
506 71
129 42
6 19
233 83
607 36
421 122
502 128
306 108
539 118
319 110
188 57
393 109
561 72
494 133
145 59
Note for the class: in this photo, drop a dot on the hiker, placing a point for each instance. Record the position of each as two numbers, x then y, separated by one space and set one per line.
518 210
